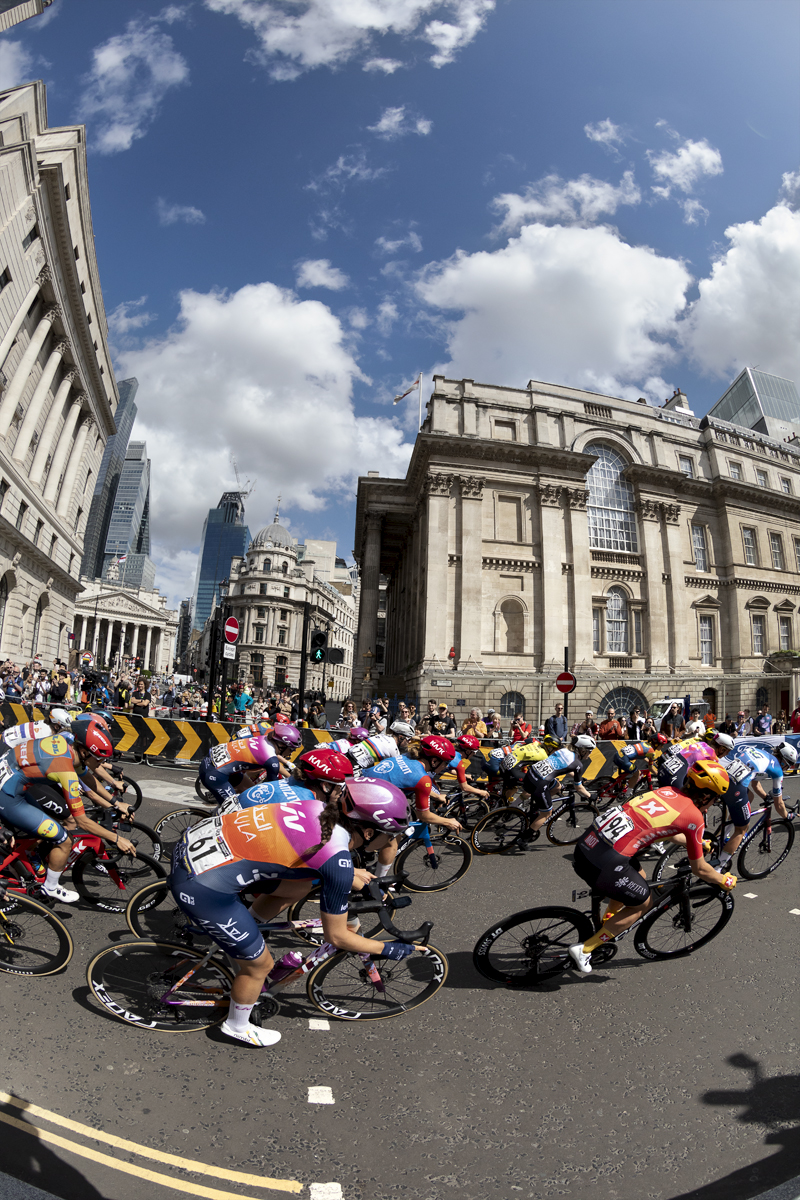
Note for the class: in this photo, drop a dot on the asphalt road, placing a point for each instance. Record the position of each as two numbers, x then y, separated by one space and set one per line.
665 1081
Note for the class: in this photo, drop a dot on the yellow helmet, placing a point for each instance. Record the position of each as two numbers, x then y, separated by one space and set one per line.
551 743
708 776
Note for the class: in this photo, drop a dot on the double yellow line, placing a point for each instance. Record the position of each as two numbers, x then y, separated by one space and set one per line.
185 1164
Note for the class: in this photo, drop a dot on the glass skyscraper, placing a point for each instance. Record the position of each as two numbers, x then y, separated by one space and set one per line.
225 536
764 403
105 492
129 526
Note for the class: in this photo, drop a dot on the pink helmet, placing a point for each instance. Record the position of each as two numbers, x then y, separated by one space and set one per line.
358 733
260 749
286 735
381 805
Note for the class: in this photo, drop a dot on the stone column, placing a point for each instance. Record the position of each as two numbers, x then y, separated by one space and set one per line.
23 371
368 604
552 617
96 637
146 663
109 635
159 634
435 599
470 640
73 466
579 579
50 426
654 583
134 641
22 312
31 418
62 449
677 609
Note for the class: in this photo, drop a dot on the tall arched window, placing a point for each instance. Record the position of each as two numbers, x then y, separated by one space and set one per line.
512 627
37 624
612 515
617 621
3 604
267 565
512 703
284 568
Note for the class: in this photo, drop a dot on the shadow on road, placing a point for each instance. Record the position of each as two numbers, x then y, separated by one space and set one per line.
26 1157
774 1100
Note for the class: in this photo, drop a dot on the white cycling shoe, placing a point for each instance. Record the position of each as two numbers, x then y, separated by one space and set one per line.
58 892
581 959
252 1035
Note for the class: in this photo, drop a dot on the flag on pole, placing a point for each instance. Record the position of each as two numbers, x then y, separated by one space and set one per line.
122 560
415 384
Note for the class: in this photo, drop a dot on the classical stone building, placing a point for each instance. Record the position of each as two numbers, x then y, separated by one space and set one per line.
663 551
57 390
120 624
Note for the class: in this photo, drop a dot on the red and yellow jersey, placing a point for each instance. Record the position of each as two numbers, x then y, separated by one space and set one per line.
52 758
649 818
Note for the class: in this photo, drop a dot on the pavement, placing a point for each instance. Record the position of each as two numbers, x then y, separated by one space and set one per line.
643 1081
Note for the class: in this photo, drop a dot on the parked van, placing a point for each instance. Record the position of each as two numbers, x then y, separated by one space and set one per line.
661 707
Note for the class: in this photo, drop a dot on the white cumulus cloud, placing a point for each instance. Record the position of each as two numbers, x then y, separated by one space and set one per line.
685 167
130 76
556 199
171 214
693 212
16 64
303 34
605 132
392 245
397 122
790 188
318 272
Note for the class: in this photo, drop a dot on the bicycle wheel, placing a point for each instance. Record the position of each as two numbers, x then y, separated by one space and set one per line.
341 985
171 828
133 793
499 831
569 823
467 811
202 794
423 871
131 979
32 939
108 883
766 849
674 859
143 837
530 947
674 932
153 914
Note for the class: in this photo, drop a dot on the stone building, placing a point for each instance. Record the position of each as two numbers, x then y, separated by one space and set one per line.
58 395
121 624
661 550
14 11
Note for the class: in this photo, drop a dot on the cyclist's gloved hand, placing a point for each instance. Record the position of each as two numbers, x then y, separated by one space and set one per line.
729 881
707 846
397 950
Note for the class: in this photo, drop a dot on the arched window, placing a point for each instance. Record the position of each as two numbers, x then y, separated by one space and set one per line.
512 627
762 697
267 564
37 624
623 699
511 703
617 621
285 568
612 516
3 604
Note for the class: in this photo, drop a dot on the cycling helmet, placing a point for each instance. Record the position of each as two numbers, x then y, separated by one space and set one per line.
93 718
286 735
378 804
90 737
60 716
707 775
659 739
465 741
551 743
584 742
786 755
326 764
720 741
358 733
256 729
403 728
438 747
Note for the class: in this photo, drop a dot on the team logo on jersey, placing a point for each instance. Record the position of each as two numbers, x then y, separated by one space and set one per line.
383 768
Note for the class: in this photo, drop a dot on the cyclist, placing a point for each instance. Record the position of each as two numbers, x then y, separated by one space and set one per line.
366 752
627 761
254 729
745 764
512 762
543 779
466 745
606 855
357 733
678 757
30 802
286 739
287 845
58 721
232 766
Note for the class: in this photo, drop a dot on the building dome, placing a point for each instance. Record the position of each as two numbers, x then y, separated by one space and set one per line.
273 534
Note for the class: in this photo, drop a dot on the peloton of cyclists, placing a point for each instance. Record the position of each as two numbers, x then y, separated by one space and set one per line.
744 765
543 779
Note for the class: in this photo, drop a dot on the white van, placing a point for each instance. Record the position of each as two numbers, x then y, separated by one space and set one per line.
661 707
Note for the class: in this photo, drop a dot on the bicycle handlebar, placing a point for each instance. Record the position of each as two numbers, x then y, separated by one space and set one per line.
377 904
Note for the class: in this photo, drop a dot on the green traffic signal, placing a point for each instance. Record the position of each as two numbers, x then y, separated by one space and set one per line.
318 655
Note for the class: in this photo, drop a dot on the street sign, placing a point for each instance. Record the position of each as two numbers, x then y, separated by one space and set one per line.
330 683
87 658
228 650
441 683
566 682
231 631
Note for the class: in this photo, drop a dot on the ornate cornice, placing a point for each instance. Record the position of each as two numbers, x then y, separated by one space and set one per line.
616 573
438 484
471 486
493 563
576 498
743 585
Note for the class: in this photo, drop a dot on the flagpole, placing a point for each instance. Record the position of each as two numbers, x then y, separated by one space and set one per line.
419 426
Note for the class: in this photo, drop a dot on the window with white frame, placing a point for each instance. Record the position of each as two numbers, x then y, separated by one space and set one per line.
786 485
797 552
617 621
761 478
776 550
706 640
750 547
637 631
686 465
596 625
700 547
735 470
785 632
258 633
759 634
611 509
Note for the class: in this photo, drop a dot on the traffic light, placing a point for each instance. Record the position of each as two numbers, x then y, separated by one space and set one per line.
319 646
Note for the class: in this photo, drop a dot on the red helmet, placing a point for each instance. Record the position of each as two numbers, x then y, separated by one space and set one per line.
381 805
93 739
465 741
438 747
326 764
658 739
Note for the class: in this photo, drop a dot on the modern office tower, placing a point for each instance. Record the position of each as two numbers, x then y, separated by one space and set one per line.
764 403
225 536
105 492
14 11
126 559
182 636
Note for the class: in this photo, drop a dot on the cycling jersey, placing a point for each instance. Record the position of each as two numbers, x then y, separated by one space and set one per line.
50 759
342 746
373 750
526 752
31 731
408 774
759 762
224 767
648 818
674 763
217 858
626 759
457 764
542 776
281 791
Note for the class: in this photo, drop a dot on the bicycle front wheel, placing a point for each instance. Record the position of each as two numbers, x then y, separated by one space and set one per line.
342 986
132 793
202 793
685 925
569 823
32 939
108 883
424 870
530 947
172 827
153 914
134 981
766 850
499 831
467 811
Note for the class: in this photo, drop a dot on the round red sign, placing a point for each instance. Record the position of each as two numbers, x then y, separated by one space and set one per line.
231 629
566 682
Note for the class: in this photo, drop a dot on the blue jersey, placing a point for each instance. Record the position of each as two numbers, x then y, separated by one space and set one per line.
279 792
404 773
451 766
560 762
757 762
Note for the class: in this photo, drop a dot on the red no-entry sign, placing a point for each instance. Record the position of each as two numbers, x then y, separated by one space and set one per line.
232 629
566 682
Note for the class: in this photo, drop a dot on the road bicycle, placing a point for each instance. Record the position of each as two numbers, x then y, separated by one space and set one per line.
145 839
179 989
464 807
531 947
763 848
430 858
171 827
32 939
502 830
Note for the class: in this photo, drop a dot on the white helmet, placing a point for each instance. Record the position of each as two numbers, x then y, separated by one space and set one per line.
786 755
584 742
60 716
403 728
721 742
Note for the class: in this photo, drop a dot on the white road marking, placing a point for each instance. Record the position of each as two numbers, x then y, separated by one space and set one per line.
751 895
325 1191
318 1023
795 912
320 1095
169 793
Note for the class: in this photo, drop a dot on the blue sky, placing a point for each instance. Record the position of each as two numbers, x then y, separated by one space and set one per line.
300 204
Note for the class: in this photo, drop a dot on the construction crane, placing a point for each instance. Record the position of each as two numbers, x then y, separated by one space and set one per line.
245 489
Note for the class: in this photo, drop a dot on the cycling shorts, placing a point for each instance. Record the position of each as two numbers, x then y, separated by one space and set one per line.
36 813
223 916
512 775
217 783
539 790
611 873
738 804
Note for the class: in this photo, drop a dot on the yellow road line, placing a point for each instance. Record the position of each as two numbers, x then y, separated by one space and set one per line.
192 740
186 1164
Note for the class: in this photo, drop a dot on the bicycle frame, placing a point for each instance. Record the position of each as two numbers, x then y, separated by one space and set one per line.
670 886
24 877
